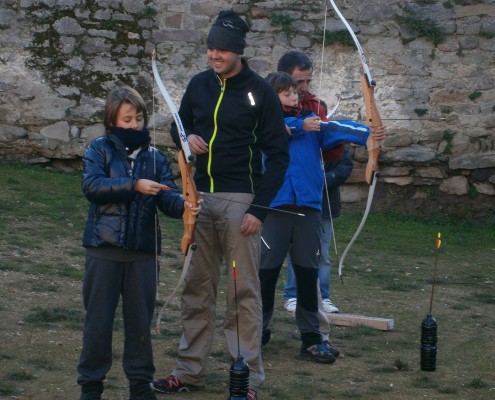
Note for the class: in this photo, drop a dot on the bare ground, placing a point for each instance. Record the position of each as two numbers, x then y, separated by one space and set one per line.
39 360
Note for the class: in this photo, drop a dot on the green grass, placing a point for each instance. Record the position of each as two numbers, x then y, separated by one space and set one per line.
20 376
387 273
49 316
6 388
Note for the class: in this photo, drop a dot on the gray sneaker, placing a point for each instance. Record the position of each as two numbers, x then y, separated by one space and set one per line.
329 307
318 353
290 304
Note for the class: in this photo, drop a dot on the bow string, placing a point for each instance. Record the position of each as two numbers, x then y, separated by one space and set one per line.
189 191
373 120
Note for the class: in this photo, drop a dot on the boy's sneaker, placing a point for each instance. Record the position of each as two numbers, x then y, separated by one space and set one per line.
172 384
329 307
318 353
290 304
91 391
141 390
331 348
252 395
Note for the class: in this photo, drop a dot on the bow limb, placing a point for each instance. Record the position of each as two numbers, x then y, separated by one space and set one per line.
330 113
360 227
189 191
373 120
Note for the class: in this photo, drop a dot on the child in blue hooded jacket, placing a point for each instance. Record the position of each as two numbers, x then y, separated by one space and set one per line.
301 193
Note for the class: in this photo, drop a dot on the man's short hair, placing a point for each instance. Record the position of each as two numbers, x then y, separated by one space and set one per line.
292 60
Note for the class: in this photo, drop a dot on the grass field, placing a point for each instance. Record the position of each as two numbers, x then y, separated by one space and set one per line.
388 273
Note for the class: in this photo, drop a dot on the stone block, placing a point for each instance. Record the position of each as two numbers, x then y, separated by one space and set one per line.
103 33
178 35
301 42
263 25
473 161
430 172
95 45
58 131
257 12
399 180
68 26
133 6
208 8
9 133
488 45
413 153
469 42
456 185
395 171
471 10
303 26
173 21
484 188
91 132
353 193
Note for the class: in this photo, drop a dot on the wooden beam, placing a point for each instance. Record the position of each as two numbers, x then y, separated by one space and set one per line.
384 324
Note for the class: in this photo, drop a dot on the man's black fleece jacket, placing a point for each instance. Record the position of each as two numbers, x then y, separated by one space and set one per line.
240 118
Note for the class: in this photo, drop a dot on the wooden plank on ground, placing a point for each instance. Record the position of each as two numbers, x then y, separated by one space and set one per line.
384 324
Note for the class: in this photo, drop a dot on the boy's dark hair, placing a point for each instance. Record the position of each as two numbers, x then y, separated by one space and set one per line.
119 96
281 81
292 60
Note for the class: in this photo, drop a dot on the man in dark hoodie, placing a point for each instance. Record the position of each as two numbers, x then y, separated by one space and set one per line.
231 116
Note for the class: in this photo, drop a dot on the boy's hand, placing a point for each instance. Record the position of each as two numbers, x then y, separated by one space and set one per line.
312 124
194 210
146 186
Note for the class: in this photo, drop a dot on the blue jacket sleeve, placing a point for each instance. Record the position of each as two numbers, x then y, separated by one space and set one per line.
346 131
295 125
100 185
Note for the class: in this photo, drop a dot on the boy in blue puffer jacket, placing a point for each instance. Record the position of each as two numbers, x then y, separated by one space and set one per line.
124 179
301 193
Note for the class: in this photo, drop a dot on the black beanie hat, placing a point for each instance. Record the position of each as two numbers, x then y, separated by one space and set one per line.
228 33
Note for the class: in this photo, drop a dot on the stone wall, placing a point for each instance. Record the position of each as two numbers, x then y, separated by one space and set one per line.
433 62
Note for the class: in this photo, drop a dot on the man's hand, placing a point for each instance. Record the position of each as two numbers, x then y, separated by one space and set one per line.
197 144
378 133
250 224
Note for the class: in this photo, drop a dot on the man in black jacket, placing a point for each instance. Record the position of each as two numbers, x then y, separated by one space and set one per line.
231 116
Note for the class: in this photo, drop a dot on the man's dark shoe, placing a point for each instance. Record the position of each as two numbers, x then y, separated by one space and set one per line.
91 391
265 336
172 384
141 390
331 348
318 353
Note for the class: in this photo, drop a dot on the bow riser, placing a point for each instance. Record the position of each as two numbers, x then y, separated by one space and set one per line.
189 193
373 120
